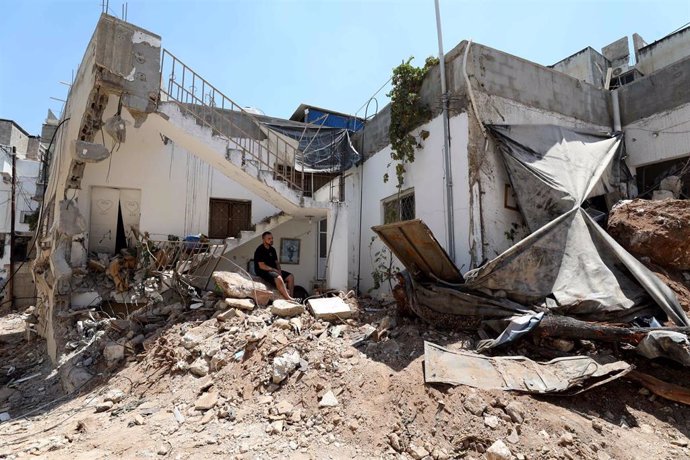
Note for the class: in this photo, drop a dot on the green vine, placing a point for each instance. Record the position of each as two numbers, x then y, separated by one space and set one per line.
407 113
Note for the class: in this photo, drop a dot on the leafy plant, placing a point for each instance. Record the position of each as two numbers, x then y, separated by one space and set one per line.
407 112
382 264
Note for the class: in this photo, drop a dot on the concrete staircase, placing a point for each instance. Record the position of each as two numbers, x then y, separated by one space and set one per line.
247 236
198 117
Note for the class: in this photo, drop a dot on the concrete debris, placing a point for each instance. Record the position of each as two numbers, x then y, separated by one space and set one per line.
516 411
178 415
328 400
284 365
498 451
330 308
673 184
275 427
113 352
104 406
206 401
286 308
236 286
115 395
417 452
513 437
199 367
242 304
491 421
662 195
474 404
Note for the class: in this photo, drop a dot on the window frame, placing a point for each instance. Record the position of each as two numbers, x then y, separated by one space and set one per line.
399 197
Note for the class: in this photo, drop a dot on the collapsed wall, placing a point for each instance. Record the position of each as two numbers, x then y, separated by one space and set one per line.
122 61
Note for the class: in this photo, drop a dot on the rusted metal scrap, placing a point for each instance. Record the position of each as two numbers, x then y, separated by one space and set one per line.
572 374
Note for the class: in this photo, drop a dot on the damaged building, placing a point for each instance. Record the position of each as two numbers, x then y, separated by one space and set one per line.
148 154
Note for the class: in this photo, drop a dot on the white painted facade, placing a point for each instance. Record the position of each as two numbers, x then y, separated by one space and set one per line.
660 137
175 188
27 176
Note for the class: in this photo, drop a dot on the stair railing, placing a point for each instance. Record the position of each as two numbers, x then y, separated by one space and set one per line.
269 150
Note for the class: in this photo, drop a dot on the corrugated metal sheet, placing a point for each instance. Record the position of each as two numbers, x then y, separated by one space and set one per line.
413 243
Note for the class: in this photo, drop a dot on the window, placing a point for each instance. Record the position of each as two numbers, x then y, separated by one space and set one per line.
26 216
399 207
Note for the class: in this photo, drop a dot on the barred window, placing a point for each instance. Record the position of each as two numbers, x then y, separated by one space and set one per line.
399 207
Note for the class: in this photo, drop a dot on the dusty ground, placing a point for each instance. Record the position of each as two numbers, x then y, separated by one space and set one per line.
384 409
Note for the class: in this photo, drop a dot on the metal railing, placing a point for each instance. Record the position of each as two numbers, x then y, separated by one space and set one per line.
193 262
260 145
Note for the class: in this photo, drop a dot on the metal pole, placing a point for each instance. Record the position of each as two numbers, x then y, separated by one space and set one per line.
446 139
12 225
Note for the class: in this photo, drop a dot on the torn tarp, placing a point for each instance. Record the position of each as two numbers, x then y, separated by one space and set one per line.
573 374
568 258
518 326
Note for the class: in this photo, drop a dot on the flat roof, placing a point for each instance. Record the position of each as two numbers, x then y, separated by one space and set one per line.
17 126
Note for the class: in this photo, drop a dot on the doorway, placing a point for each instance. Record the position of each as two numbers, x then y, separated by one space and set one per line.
227 218
322 249
115 214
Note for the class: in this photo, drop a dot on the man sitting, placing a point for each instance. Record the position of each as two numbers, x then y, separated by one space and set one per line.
267 266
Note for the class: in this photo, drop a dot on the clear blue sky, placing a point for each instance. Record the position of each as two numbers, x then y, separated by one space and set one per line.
273 55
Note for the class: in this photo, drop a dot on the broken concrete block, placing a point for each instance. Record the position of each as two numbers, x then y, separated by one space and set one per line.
227 315
73 378
658 195
206 401
242 304
82 300
284 365
286 308
104 406
328 400
236 286
113 352
673 184
115 395
330 308
516 411
498 451
284 407
199 367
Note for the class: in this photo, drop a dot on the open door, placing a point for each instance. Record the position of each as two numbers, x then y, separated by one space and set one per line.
106 204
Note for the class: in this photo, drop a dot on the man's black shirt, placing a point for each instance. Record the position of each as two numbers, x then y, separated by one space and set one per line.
267 256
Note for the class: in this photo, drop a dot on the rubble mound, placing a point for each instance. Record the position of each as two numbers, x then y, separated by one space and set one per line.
658 230
226 383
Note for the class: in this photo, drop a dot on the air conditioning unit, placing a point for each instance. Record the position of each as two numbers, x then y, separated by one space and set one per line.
620 70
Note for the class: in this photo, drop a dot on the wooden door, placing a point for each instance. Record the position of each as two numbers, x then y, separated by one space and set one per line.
228 217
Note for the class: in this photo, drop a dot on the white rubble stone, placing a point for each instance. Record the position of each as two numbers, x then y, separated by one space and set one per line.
498 451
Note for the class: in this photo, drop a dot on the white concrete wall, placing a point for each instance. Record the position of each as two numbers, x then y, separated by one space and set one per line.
300 228
175 185
660 137
426 177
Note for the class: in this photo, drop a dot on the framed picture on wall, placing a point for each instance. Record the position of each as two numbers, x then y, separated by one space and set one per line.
289 250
